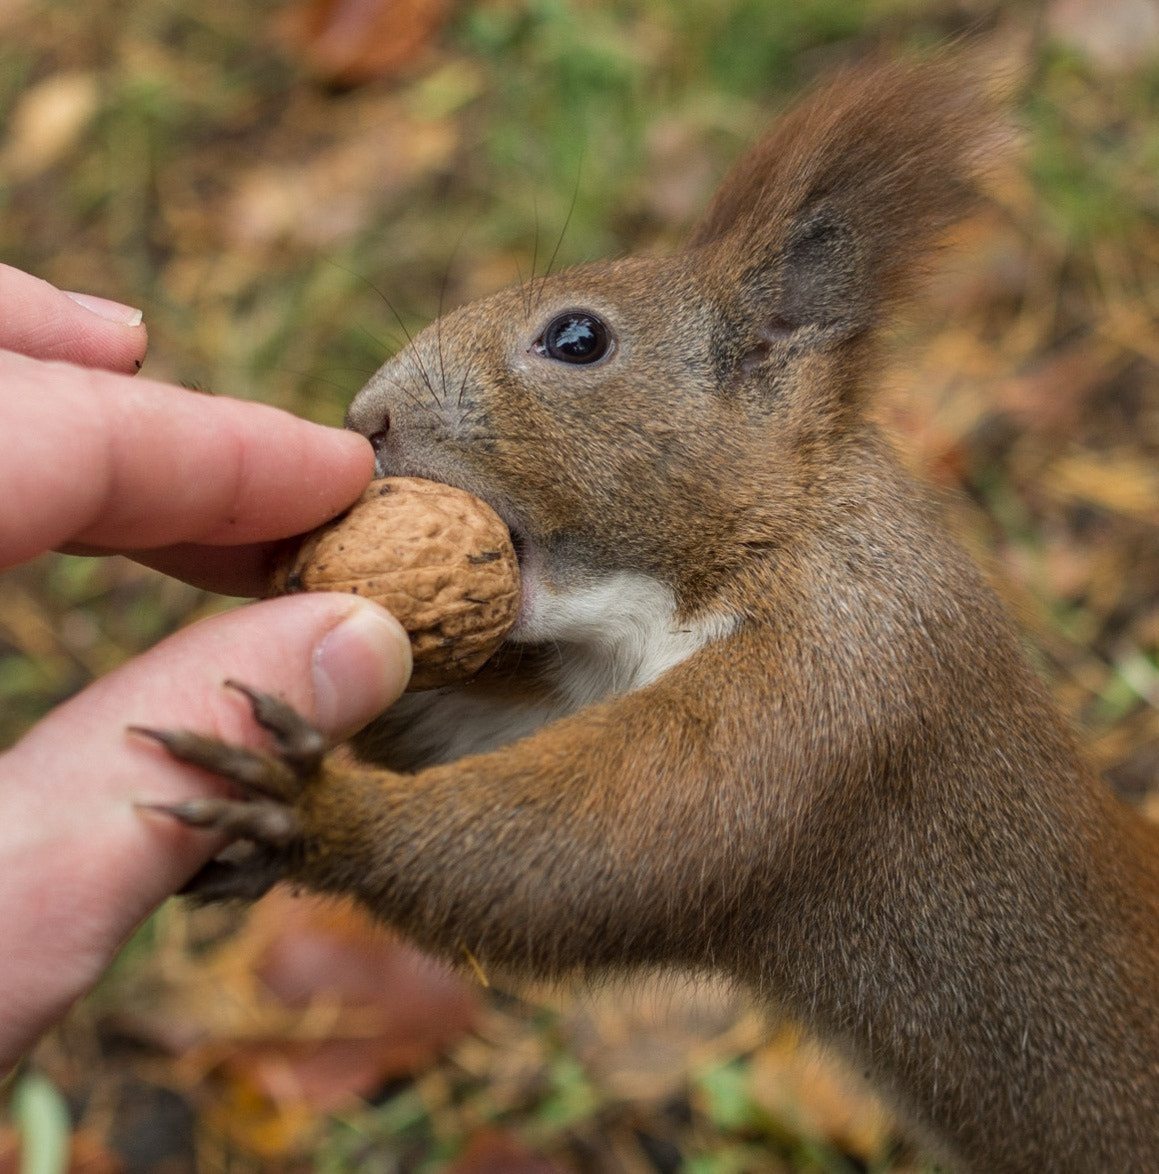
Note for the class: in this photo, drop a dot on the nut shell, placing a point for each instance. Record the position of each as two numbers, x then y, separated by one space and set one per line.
436 557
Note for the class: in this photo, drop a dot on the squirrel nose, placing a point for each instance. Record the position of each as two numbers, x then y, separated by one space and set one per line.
378 437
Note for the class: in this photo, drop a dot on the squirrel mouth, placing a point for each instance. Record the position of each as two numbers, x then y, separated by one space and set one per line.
518 542
448 473
520 539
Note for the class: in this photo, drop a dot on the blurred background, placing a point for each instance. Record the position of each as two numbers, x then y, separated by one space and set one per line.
287 188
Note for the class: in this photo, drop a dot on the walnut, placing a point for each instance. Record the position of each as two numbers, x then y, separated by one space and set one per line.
436 557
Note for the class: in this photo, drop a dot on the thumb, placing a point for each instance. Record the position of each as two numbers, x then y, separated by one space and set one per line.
81 864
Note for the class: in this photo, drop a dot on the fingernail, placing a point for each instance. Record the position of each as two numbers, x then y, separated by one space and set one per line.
360 667
109 310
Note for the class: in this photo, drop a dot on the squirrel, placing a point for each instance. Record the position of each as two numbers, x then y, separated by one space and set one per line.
760 714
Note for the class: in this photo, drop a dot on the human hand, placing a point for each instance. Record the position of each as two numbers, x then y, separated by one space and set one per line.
201 486
196 485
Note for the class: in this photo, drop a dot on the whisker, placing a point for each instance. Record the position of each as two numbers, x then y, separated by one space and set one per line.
439 331
397 317
563 230
424 374
409 392
377 290
463 382
442 305
366 371
534 254
394 344
316 377
439 354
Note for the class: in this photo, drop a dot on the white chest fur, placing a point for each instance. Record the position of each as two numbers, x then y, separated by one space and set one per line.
609 637
616 635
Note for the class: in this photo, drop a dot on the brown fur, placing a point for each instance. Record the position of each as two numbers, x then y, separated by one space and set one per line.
860 801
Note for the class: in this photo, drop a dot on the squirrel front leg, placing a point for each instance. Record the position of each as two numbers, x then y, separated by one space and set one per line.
611 838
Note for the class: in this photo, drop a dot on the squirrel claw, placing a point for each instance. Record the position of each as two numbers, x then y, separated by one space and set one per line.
300 744
250 769
277 776
263 821
263 817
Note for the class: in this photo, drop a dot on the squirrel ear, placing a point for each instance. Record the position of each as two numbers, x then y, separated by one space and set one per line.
817 274
823 222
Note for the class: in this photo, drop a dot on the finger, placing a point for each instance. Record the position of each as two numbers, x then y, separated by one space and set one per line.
82 859
44 322
244 571
129 464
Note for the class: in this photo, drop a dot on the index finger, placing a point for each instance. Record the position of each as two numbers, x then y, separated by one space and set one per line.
128 464
244 571
43 322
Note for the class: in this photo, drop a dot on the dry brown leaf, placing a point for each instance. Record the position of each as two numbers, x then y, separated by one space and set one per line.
12 12
88 1154
937 400
308 1008
493 1152
643 1041
333 194
247 1119
347 42
1116 36
1052 395
412 1008
817 1095
1133 328
1120 482
48 122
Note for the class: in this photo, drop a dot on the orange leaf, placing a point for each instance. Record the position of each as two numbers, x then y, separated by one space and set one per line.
348 42
492 1152
796 1082
385 1010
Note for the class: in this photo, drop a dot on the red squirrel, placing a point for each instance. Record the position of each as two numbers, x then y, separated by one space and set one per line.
760 715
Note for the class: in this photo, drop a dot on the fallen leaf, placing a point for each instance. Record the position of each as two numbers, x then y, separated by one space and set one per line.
9 1152
48 122
493 1152
12 11
90 1155
87 1154
249 1120
795 1082
413 1008
642 1042
1053 393
1115 36
1120 482
309 1007
331 195
348 42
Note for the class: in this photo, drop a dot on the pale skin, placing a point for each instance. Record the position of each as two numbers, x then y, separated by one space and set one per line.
198 486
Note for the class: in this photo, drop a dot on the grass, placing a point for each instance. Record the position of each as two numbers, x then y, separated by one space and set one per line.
284 238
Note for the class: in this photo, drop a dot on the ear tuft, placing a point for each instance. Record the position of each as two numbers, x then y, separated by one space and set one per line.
824 220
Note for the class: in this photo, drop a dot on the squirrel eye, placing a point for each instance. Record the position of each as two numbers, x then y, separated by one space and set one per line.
574 337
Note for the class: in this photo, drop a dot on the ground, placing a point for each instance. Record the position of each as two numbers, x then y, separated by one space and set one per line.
286 210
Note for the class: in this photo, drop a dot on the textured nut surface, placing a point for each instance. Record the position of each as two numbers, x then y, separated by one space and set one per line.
436 557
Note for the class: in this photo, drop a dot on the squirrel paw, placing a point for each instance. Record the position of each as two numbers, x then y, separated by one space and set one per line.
270 785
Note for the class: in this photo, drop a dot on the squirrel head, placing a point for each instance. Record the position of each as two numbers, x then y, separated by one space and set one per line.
674 417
